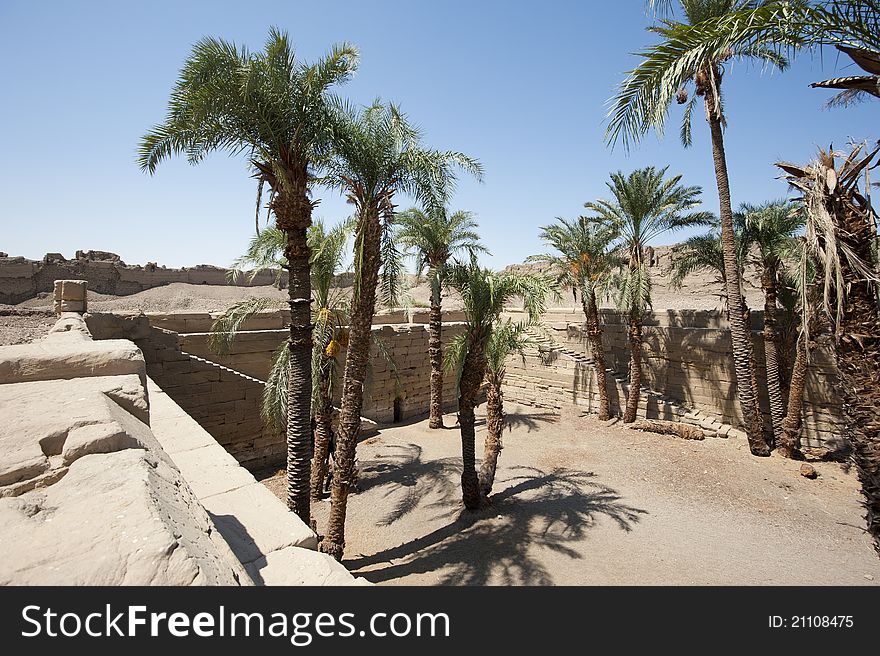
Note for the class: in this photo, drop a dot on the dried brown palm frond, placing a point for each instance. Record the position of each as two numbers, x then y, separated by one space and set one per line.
828 192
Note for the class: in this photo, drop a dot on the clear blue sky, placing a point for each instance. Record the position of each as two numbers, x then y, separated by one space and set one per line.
520 85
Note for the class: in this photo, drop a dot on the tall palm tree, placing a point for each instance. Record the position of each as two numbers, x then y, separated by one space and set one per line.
642 103
434 237
274 109
771 229
377 154
485 295
585 265
645 205
330 334
841 238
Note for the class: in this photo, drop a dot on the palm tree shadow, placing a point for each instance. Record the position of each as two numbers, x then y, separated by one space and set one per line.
533 511
530 420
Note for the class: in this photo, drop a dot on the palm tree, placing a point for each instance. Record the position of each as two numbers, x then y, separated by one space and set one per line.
377 154
434 237
771 229
274 109
788 441
841 239
645 206
507 338
485 295
330 334
585 266
642 103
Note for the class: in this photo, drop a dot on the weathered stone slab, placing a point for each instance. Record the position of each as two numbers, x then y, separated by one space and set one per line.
296 566
255 522
40 416
123 518
69 355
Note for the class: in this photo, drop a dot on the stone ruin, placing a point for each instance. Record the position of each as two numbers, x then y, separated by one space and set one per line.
140 405
104 480
106 273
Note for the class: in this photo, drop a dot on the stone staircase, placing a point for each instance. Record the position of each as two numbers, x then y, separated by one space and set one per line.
223 368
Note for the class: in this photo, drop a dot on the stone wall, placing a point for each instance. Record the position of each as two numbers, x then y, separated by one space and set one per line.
686 356
21 279
396 389
223 393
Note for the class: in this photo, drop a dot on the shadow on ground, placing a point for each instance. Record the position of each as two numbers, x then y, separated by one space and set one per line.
530 511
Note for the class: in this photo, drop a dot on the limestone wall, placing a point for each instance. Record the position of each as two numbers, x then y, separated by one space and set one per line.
686 355
21 279
223 393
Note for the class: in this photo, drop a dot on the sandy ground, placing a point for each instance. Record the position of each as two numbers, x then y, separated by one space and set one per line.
577 502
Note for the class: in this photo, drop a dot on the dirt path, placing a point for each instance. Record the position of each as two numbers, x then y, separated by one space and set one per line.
577 502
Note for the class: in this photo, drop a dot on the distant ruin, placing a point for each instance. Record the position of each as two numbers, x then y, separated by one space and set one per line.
106 273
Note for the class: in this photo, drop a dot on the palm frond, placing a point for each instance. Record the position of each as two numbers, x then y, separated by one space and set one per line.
226 327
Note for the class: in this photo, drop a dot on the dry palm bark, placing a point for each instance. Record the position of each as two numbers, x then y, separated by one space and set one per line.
743 353
359 340
323 431
789 438
683 431
473 370
293 212
772 343
494 430
841 233
435 355
635 367
594 336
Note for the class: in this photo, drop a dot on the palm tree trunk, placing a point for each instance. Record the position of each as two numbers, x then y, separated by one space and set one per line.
293 214
789 439
323 430
635 367
858 361
435 354
359 341
594 336
743 354
771 353
494 430
753 369
472 373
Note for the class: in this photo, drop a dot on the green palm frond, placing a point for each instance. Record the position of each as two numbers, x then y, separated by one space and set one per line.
227 326
273 405
645 205
698 253
266 105
715 32
265 251
586 260
485 295
377 153
507 338
432 238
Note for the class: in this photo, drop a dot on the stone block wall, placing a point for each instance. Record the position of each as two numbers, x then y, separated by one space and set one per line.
686 355
225 403
223 393
400 386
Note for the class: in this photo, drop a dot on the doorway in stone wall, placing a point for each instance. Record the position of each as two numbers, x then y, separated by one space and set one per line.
398 409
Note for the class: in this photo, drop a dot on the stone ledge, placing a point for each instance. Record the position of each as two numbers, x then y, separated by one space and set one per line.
275 545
